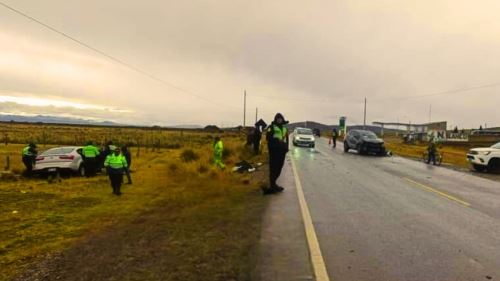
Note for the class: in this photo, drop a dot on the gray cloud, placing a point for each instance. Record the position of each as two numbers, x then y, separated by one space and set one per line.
322 57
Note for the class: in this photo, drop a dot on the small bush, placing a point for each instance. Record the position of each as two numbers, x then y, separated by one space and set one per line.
188 155
227 152
173 168
202 169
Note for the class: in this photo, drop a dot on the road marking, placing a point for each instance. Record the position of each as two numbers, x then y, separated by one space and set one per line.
312 240
428 188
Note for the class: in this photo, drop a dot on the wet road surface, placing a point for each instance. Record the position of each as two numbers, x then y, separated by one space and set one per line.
390 218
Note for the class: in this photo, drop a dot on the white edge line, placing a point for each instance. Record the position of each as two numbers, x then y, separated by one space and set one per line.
317 260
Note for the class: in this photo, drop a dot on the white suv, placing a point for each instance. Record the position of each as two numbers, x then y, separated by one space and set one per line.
487 158
303 137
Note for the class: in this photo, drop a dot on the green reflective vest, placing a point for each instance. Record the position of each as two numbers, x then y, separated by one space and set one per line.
218 148
279 133
116 161
27 151
90 151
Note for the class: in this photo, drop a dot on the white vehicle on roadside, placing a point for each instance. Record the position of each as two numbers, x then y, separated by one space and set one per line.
56 159
487 158
303 137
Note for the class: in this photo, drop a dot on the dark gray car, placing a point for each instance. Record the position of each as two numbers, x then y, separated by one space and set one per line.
365 142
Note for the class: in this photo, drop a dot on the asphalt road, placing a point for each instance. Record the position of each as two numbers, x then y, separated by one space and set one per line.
390 218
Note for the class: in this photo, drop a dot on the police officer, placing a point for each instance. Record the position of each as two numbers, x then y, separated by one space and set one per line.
335 135
277 142
90 155
29 157
218 150
116 164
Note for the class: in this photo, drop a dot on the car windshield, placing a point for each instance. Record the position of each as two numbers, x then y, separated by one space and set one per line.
496 146
368 135
304 132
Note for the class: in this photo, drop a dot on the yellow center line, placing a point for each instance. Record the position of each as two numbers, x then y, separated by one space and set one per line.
428 188
317 260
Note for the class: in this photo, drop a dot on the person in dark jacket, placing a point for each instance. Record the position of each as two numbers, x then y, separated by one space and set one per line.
335 135
128 157
277 142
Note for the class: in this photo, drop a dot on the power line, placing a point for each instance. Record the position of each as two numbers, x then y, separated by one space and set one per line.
454 91
110 57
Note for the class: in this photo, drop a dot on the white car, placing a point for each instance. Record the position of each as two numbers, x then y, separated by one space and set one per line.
487 158
66 158
303 137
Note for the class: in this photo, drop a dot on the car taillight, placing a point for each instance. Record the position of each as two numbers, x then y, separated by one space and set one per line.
67 157
39 158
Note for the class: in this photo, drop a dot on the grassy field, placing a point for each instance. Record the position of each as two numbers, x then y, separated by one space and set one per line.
181 220
452 155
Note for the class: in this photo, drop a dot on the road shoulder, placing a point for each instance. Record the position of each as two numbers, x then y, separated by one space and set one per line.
283 250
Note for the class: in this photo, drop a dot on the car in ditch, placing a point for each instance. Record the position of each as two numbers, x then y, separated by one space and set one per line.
60 159
485 158
365 142
303 137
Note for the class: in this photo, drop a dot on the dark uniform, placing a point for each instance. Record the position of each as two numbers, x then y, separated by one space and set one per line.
128 157
431 149
335 135
29 158
277 141
90 155
116 164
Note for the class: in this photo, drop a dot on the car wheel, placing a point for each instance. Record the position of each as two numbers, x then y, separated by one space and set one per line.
494 165
312 145
479 168
81 170
346 147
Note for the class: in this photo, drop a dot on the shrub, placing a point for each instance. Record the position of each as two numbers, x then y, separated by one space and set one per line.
188 155
202 169
227 152
173 167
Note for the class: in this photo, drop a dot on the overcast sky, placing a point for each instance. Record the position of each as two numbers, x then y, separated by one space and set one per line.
310 60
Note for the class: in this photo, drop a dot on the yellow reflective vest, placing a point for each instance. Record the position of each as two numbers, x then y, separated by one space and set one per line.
116 161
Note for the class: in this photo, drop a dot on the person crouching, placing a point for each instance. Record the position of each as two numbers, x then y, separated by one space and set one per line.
116 164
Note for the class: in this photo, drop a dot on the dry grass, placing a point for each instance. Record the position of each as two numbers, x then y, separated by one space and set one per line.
213 216
452 155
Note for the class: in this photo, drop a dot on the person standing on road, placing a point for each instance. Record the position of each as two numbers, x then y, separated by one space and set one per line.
431 152
128 157
277 143
335 135
218 152
116 164
90 155
29 157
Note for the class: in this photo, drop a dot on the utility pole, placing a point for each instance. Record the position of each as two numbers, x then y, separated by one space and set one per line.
364 119
256 114
245 109
430 113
